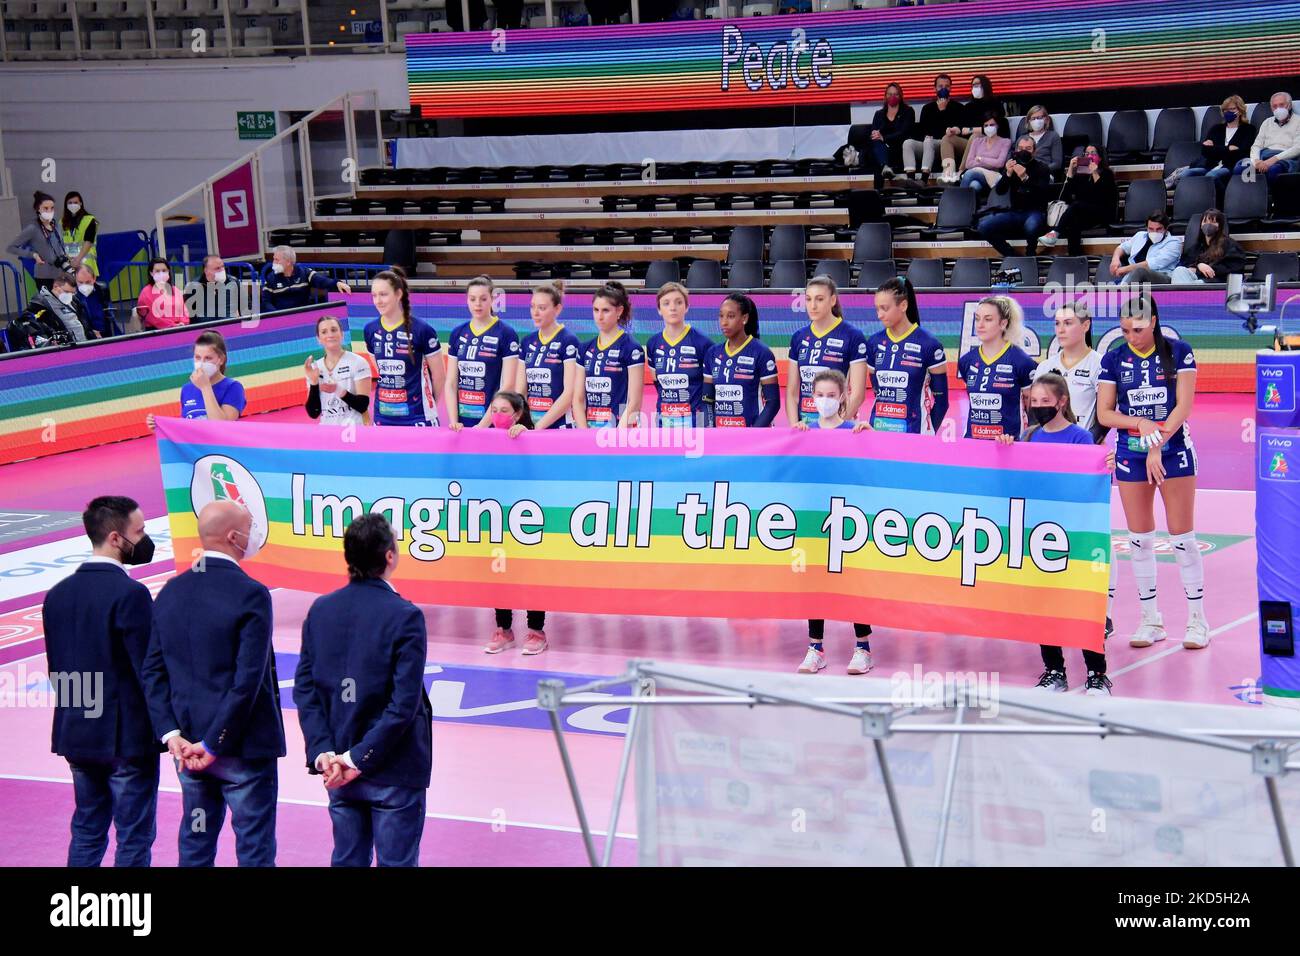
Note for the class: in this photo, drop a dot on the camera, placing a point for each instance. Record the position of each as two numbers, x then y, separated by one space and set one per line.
64 263
1007 277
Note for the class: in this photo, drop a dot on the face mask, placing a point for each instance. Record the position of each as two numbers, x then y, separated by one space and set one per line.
141 552
74 207
977 92
1041 414
1155 236
502 420
47 216
277 268
942 93
1280 114
219 275
990 131
250 546
1023 157
1210 229
1037 124
66 297
161 277
827 405
1229 116
85 288
893 100
207 368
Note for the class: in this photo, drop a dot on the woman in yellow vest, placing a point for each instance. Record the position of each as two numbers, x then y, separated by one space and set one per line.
80 230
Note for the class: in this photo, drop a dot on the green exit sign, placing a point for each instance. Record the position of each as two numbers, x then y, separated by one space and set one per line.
258 124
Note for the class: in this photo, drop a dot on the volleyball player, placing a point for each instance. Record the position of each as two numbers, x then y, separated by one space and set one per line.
481 354
611 376
997 371
827 342
548 370
1078 363
406 353
339 381
677 355
1147 389
830 398
742 370
904 362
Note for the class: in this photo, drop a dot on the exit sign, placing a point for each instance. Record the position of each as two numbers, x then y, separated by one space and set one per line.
258 124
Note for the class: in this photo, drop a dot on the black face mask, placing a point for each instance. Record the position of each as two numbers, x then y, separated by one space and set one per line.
941 93
141 551
1041 414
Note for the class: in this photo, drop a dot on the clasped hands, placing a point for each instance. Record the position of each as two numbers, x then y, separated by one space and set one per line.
335 771
193 757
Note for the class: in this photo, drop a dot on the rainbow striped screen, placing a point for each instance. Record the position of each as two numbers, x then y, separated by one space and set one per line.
1023 46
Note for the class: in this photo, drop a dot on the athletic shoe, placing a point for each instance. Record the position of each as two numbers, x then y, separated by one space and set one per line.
1110 628
907 171
1097 685
1054 681
813 661
887 172
1049 239
502 640
1148 633
861 662
1172 179
535 642
1198 633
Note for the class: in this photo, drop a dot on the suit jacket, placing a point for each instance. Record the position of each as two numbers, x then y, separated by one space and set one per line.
210 671
97 621
359 686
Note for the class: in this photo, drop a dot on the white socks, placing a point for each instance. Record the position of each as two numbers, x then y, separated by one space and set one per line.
1191 569
1143 556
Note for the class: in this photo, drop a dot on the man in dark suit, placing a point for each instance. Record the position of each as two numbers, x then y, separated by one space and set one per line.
210 677
97 624
365 715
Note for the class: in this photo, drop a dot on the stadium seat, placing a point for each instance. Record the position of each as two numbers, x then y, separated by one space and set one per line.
789 274
1173 125
745 274
1102 275
875 272
874 240
1261 112
971 274
1068 270
107 9
402 29
134 10
1282 266
661 271
758 10
135 43
956 210
837 269
257 41
16 10
1127 139
1144 197
1027 265
167 42
746 242
1082 129
1180 154
167 8
1213 116
1192 196
102 43
1245 202
1285 191
925 273
218 45
538 23
704 274
15 42
196 8
41 45
68 43
788 242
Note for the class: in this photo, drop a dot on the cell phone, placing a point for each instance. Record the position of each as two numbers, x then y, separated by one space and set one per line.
1275 628
1083 167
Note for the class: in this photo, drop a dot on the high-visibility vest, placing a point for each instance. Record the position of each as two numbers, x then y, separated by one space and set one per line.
73 239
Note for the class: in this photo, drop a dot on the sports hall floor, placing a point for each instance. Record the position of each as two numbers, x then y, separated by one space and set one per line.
499 796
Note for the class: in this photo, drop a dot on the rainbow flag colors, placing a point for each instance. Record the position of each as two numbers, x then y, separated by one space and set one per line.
960 537
1023 46
100 392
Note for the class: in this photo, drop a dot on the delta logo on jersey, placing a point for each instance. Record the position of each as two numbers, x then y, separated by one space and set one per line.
221 478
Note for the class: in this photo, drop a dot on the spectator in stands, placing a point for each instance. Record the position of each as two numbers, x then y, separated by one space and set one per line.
1227 143
1047 144
1276 149
287 285
1028 183
80 231
1091 194
957 138
1212 256
52 308
94 304
890 127
1149 256
216 296
42 242
161 304
986 157
456 18
937 118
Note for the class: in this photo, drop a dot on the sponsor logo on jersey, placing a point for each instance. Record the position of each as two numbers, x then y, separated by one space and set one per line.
985 403
674 381
1148 396
888 379
729 393
834 343
911 347
391 368
490 340
600 384
809 372
539 376
745 360
1004 367
472 369
688 349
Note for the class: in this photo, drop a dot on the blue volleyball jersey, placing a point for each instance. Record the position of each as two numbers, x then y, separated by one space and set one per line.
404 390
737 382
900 370
995 385
480 355
544 362
1145 390
606 381
838 348
679 369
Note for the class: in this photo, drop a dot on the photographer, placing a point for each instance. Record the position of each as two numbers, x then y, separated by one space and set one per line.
41 241
50 319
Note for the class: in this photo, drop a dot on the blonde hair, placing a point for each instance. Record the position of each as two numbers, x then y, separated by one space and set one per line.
1009 310
1238 104
670 287
837 378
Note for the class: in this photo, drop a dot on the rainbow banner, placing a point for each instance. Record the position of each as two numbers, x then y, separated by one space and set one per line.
1024 47
64 399
959 537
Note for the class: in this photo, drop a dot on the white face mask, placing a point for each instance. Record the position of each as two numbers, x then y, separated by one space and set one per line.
990 131
207 368
1280 114
277 268
66 297
251 545
827 405
161 277
1155 236
977 92
74 207
85 288
219 275
1037 124
47 216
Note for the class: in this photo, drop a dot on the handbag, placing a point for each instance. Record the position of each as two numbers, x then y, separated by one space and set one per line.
1056 209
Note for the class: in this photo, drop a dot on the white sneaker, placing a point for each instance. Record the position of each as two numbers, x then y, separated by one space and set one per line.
1049 239
861 662
1198 633
813 661
1149 632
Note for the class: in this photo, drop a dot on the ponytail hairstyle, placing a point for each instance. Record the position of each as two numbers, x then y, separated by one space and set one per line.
554 289
842 383
1143 306
396 277
1079 309
517 402
748 309
615 294
901 288
1061 389
1009 309
829 284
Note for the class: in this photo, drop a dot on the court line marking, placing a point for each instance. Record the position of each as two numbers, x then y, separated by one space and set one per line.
1178 646
458 818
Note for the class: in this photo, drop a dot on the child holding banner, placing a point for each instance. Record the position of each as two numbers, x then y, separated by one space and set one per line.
677 355
828 342
611 377
548 371
1147 388
741 371
906 365
830 391
997 371
406 353
481 354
